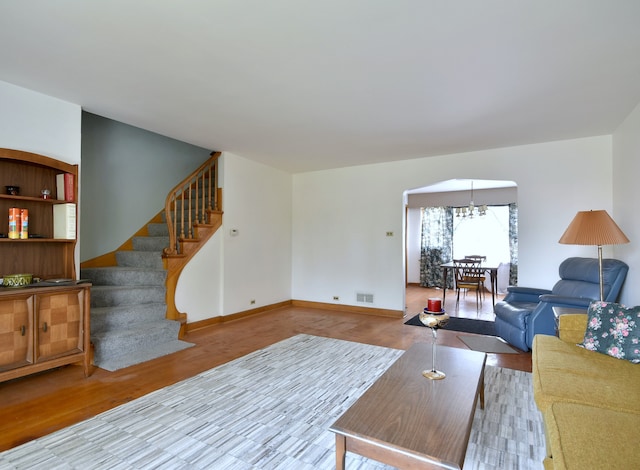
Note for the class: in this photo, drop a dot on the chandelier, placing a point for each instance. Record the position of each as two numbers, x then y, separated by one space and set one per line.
471 210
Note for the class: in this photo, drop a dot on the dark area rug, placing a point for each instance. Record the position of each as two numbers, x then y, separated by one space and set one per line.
465 325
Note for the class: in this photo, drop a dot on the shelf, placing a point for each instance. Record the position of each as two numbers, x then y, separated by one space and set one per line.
34 199
37 240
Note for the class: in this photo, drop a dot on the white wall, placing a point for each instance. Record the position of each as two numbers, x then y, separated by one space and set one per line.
626 170
38 123
232 270
340 217
199 291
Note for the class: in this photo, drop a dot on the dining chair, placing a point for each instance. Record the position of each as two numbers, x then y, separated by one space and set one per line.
469 276
480 259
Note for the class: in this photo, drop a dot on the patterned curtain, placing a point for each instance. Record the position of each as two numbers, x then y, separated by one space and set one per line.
513 244
436 245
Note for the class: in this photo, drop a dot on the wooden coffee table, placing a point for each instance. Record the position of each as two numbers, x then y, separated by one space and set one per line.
408 421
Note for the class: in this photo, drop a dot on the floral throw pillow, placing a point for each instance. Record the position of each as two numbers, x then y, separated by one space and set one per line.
613 329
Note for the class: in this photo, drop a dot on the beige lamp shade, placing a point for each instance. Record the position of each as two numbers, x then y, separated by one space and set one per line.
593 228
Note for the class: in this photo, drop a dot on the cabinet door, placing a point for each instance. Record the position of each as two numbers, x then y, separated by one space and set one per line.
59 324
16 331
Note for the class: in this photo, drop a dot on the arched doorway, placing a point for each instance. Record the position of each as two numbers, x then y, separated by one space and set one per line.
490 231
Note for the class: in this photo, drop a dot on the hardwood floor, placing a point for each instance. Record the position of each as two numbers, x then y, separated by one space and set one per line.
37 405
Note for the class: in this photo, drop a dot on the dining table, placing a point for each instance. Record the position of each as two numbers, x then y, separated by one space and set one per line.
491 270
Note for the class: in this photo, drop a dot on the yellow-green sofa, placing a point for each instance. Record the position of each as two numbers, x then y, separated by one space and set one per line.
590 402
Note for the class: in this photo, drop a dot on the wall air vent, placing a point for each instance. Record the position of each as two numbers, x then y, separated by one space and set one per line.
366 298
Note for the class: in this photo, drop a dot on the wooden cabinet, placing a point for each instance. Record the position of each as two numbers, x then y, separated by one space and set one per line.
40 326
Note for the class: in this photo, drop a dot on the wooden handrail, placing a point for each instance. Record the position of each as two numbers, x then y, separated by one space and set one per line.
200 191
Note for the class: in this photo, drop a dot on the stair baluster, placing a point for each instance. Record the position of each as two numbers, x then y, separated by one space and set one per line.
198 192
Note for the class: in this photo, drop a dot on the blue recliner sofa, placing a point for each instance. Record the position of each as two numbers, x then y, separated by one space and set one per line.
526 312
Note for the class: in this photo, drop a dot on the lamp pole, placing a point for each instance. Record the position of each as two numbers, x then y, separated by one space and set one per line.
600 272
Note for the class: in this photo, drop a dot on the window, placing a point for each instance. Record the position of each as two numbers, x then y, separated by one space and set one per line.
487 235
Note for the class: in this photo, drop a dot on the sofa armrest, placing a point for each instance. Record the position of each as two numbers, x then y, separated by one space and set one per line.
524 294
572 326
528 290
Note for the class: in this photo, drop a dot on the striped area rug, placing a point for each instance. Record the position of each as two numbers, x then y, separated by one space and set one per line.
272 409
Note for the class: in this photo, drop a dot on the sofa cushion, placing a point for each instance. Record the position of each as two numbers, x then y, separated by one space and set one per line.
564 372
583 436
613 329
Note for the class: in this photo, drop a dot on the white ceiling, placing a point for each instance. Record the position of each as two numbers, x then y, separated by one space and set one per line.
303 85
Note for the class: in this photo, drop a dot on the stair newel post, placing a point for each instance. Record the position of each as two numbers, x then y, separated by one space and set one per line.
170 217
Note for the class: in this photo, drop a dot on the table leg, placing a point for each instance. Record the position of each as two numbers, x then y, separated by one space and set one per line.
482 390
341 451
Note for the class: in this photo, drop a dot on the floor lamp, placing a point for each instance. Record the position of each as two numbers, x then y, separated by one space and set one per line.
594 228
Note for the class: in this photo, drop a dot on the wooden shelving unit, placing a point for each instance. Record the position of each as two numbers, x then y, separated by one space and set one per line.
41 255
41 326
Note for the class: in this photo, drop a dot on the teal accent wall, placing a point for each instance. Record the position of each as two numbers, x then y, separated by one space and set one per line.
125 175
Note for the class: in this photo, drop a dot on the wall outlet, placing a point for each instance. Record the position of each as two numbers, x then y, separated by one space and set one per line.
335 297
252 302
389 234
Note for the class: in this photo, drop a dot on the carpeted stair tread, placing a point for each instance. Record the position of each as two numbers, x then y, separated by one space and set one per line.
137 336
144 355
157 230
138 332
140 259
122 316
150 243
125 275
107 296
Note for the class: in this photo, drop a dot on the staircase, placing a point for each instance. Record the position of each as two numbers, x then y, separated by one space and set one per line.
133 314
128 307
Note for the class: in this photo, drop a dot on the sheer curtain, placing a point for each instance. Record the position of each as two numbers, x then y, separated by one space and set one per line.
436 245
